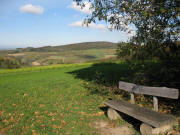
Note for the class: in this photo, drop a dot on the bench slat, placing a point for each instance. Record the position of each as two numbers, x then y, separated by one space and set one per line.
148 116
153 91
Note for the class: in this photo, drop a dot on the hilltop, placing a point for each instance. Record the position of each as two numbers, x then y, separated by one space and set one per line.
76 46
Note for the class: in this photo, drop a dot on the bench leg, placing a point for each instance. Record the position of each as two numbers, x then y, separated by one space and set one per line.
113 114
146 129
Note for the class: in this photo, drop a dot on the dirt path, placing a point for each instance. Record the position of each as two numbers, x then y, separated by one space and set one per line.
105 128
17 54
35 63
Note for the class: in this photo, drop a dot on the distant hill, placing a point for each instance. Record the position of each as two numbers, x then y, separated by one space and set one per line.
90 45
77 46
63 54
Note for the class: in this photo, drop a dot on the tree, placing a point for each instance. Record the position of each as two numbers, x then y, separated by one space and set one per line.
156 21
157 25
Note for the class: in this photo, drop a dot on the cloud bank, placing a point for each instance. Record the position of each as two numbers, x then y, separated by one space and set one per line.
91 25
87 9
31 9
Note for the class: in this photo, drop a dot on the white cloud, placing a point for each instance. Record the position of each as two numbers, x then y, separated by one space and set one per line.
129 30
130 33
32 9
87 9
91 25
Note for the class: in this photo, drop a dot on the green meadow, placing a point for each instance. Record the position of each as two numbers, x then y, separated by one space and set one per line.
48 101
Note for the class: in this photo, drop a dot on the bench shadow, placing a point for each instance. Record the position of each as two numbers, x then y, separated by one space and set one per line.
104 109
130 120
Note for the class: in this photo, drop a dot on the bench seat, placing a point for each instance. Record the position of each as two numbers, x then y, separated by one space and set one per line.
145 115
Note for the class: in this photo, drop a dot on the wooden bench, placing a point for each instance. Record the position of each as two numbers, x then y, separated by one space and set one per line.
153 121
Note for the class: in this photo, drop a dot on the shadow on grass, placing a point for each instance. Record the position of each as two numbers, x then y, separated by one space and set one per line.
103 78
110 74
104 73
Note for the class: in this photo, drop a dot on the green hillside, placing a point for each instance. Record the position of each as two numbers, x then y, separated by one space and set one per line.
77 46
66 54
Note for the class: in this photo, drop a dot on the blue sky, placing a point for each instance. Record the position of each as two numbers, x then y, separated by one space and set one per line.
38 23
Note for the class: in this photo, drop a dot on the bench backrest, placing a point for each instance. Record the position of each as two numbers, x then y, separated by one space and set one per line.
153 91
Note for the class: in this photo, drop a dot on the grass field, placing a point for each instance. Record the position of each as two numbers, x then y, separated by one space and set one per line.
65 99
49 101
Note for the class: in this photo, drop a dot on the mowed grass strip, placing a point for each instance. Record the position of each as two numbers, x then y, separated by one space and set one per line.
47 101
38 68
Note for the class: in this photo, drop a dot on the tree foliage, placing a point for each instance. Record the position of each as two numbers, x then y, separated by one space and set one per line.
130 52
156 21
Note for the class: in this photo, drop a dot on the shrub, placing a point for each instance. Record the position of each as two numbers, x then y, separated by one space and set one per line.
8 63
